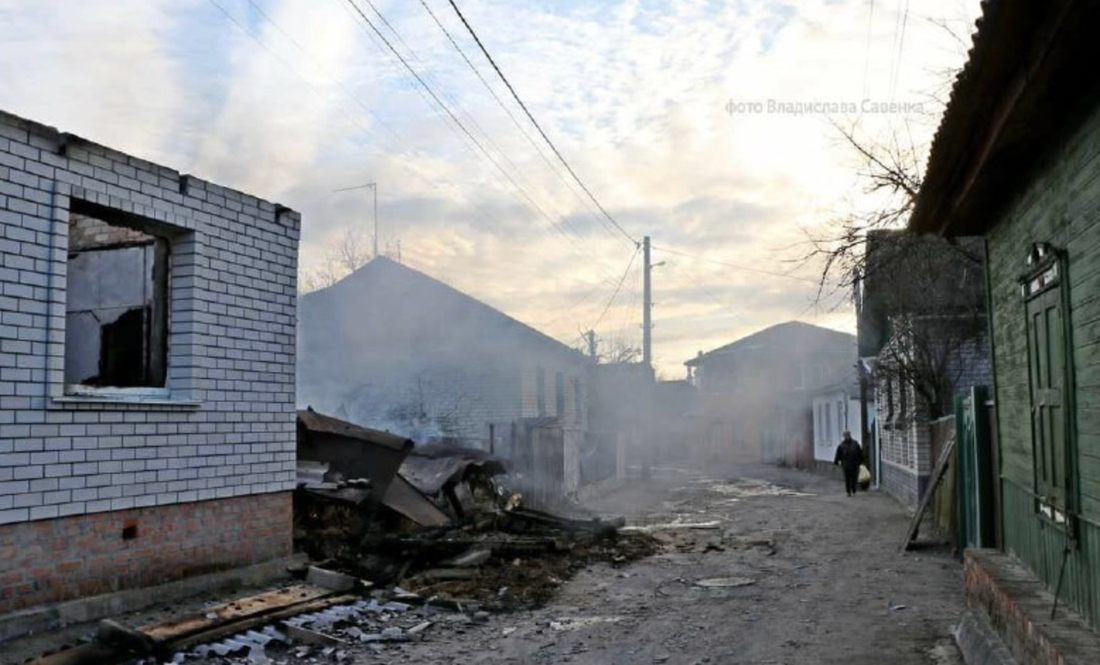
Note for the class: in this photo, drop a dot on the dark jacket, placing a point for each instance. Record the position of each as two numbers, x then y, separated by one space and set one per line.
849 454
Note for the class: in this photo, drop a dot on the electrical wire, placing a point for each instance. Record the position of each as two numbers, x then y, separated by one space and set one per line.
534 122
425 88
735 266
618 288
511 116
867 48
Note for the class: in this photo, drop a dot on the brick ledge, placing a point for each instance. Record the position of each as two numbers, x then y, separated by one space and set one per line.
1018 606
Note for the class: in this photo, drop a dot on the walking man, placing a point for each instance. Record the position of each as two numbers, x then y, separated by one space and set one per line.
849 456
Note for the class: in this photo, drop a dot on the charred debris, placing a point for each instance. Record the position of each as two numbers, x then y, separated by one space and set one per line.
401 538
445 521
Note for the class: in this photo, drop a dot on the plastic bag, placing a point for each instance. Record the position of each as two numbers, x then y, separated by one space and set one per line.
864 474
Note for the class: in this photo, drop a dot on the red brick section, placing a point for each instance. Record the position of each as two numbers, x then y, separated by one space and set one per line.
54 560
1018 605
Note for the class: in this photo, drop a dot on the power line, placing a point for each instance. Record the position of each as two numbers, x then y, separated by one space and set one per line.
425 87
867 47
538 126
901 50
457 122
459 110
511 116
300 48
898 44
734 265
618 287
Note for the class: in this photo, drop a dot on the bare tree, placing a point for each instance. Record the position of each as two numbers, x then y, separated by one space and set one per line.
617 351
921 305
891 170
930 355
891 174
347 254
920 301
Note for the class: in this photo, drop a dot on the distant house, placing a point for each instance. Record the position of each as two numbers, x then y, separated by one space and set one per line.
1016 159
921 324
835 410
395 349
756 394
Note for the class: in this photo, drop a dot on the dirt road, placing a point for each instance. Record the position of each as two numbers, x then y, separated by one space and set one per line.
780 567
757 566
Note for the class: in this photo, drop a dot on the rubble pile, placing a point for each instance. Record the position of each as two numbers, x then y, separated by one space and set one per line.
499 553
442 520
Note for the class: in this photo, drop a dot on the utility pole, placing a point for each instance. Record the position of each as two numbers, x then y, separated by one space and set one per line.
647 304
590 337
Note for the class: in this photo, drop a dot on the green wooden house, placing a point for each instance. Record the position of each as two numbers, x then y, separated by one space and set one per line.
1017 160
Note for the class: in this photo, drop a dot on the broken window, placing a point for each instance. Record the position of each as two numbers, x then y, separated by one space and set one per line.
116 310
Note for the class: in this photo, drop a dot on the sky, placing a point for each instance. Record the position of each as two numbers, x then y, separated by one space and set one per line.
708 126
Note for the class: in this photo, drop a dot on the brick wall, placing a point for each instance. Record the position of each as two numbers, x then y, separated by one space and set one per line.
83 555
902 483
226 425
1018 608
222 426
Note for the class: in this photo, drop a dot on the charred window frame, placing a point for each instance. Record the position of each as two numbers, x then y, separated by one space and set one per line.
118 302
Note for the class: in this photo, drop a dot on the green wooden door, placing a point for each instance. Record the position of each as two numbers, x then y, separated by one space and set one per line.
1047 351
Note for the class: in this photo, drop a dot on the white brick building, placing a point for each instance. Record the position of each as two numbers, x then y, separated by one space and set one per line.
147 331
903 417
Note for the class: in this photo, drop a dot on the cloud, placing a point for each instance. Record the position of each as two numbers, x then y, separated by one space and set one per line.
307 100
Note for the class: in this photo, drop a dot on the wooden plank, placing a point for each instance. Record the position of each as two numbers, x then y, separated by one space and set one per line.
234 610
934 481
241 625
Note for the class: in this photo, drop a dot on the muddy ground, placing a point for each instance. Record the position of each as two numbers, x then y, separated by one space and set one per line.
757 566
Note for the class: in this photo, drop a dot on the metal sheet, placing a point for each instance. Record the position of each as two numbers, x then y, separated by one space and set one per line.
404 498
429 468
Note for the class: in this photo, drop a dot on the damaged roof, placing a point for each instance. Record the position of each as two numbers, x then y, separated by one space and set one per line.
1025 87
322 424
430 467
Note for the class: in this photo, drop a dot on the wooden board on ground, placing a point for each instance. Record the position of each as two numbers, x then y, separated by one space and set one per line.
232 611
249 623
937 477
